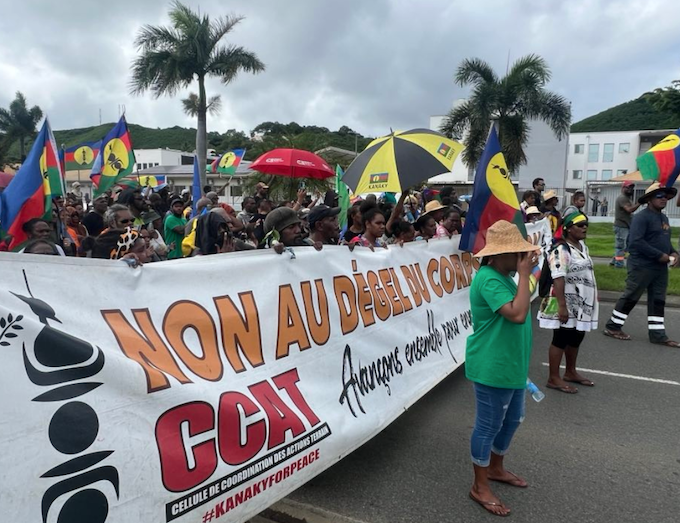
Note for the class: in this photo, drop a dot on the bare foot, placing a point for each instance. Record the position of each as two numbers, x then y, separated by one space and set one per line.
488 501
505 476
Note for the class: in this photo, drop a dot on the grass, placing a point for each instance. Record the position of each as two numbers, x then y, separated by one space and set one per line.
600 239
611 279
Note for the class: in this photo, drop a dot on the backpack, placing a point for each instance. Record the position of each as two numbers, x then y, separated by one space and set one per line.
545 282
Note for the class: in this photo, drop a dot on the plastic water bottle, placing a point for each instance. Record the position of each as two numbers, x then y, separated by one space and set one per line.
534 391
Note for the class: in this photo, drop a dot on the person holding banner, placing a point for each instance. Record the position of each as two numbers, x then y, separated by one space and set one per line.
497 356
571 308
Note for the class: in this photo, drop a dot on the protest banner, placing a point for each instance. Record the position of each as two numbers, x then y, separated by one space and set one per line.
206 389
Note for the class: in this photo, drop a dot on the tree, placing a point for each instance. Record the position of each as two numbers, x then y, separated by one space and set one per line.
171 58
19 123
511 101
667 99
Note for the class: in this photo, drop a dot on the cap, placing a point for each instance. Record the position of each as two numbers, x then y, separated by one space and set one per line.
629 183
150 216
175 200
320 212
75 184
279 219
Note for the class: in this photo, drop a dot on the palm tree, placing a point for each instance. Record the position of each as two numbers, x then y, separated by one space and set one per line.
171 58
19 123
512 101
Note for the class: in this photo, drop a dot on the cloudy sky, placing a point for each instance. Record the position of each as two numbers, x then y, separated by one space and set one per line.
369 64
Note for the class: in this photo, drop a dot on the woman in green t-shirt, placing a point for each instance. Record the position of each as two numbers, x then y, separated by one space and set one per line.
497 356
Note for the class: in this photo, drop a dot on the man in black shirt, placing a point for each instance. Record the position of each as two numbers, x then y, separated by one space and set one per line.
651 253
94 221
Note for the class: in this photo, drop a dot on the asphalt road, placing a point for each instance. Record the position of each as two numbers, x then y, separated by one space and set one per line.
610 453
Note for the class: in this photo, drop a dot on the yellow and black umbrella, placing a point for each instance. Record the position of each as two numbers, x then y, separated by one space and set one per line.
400 160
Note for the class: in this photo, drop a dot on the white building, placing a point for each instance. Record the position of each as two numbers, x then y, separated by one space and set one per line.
147 158
601 156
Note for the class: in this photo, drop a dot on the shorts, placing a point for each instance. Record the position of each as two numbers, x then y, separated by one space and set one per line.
563 338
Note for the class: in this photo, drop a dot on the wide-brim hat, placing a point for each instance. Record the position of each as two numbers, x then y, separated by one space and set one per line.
532 210
433 206
549 195
503 238
655 188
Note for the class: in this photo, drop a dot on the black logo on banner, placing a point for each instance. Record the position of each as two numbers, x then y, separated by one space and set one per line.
75 424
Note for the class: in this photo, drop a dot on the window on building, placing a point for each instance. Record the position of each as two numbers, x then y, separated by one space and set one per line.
576 175
591 174
608 153
579 148
145 166
139 166
236 190
624 148
621 172
594 153
606 174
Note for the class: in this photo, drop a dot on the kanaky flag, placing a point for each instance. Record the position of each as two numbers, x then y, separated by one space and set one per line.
28 195
228 162
115 160
493 197
662 162
80 157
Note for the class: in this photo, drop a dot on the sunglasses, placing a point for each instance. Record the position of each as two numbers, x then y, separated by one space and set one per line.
125 221
581 225
663 196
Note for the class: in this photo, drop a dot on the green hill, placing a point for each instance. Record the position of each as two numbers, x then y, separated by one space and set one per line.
636 115
270 136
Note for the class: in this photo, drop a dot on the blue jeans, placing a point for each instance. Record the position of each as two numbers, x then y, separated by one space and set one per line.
620 244
499 413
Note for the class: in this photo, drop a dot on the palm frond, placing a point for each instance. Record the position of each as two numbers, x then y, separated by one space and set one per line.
221 26
475 71
553 109
157 38
532 64
227 62
457 120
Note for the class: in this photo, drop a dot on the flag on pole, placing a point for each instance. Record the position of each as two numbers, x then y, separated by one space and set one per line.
343 196
227 163
80 157
493 197
28 195
115 160
196 187
662 162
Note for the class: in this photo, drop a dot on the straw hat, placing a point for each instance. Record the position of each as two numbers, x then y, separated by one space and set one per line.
532 210
433 206
549 195
504 237
655 188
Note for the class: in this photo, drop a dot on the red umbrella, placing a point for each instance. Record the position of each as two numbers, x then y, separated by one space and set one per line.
293 163
5 178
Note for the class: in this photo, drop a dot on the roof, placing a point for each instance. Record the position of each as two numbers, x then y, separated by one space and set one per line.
336 154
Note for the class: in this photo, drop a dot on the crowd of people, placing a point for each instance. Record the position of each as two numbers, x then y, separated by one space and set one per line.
143 226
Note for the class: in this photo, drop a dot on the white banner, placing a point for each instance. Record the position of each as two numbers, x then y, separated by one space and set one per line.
206 389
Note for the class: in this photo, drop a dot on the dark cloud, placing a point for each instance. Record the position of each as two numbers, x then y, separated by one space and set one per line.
372 65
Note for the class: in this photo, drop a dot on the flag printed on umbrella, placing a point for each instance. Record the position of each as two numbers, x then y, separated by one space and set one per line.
662 162
493 198
115 160
228 162
28 195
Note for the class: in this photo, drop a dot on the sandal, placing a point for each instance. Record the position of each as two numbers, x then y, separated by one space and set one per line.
566 389
585 382
515 480
618 335
668 343
488 506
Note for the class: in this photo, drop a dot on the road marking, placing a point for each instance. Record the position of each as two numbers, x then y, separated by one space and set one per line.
629 376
